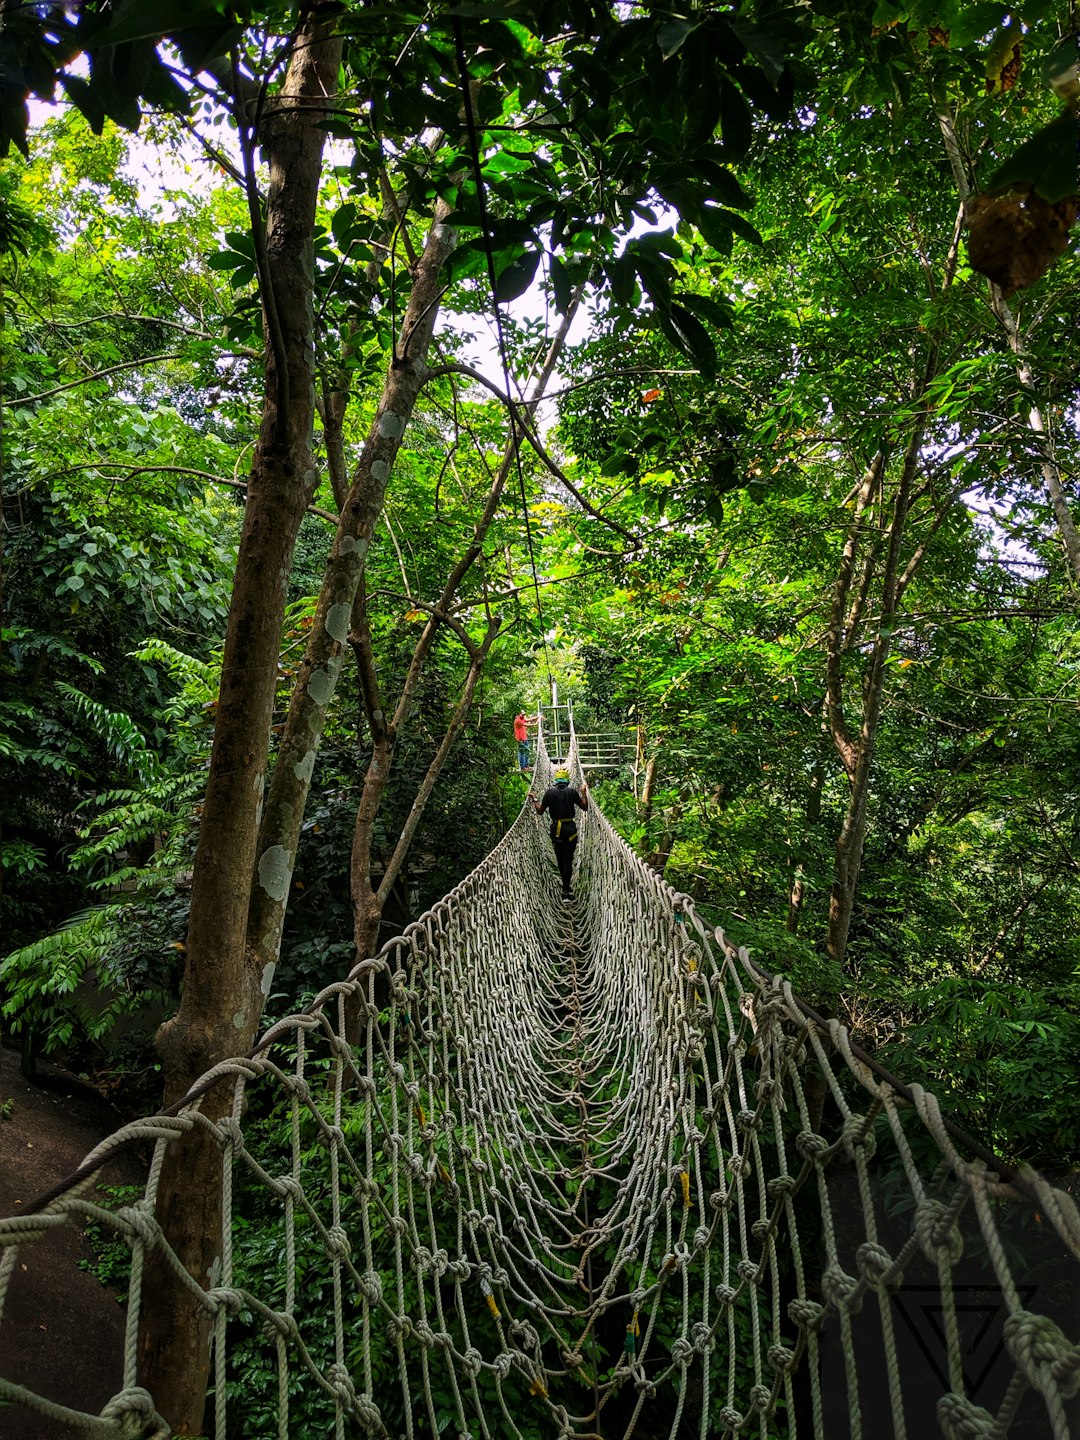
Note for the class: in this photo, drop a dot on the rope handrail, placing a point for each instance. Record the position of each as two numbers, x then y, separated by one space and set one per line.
590 1171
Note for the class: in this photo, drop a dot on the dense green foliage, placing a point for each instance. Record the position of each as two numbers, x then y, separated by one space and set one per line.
756 341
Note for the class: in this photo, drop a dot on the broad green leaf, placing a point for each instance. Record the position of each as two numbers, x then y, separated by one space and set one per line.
1047 162
516 277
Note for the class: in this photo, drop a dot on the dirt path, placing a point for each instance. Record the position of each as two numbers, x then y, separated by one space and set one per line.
62 1331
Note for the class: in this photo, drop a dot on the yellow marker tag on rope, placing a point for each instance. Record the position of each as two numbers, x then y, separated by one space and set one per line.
420 1114
685 1178
485 1290
538 1388
444 1174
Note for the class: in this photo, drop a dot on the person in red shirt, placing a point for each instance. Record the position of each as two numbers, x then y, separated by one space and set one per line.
522 725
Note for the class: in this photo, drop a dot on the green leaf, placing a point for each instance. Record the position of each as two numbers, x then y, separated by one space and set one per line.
560 284
767 49
738 224
670 36
1046 162
516 278
735 123
719 312
691 337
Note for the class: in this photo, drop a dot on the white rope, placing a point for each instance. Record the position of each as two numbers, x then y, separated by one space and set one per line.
572 1182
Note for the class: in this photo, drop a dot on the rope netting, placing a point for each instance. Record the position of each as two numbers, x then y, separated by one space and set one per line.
588 1172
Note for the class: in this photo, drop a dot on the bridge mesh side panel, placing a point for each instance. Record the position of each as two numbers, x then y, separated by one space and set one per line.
588 1172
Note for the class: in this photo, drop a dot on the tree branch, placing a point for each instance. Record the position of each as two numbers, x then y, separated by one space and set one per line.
97 375
518 413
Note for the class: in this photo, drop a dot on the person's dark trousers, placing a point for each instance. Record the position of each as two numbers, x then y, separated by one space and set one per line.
564 855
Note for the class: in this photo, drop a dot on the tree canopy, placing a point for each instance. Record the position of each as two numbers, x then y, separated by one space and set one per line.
759 468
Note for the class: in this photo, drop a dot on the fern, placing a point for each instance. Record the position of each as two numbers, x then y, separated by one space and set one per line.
67 987
38 976
198 678
124 739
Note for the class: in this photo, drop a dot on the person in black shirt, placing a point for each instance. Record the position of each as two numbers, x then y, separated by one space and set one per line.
560 801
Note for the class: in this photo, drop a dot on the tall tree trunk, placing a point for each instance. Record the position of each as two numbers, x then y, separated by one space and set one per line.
368 899
646 803
318 672
797 895
222 1002
857 751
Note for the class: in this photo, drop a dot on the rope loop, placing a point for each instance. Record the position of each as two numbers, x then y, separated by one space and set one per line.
421 1259
370 1287
338 1246
741 1167
810 1145
857 1136
874 1263
139 1224
761 1399
285 1187
134 1408
806 1314
279 1322
938 1238
703 1338
231 1135
781 1358
297 1087
682 1352
526 1335
1043 1354
961 1420
223 1297
840 1289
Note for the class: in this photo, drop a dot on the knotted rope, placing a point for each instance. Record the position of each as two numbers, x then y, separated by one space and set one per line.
590 1172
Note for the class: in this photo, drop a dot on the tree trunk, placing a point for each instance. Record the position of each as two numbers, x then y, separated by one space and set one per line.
368 900
857 752
222 999
321 665
645 807
813 816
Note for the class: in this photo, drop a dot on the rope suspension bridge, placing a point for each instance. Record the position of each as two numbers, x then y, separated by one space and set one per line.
590 1172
